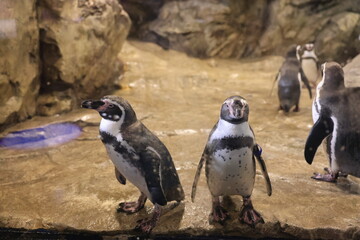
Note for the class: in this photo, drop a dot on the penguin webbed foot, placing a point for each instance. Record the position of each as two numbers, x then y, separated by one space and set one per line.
296 109
329 176
129 207
218 215
132 207
249 215
340 174
147 225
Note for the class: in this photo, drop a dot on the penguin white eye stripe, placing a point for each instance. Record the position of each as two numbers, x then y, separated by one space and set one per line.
244 103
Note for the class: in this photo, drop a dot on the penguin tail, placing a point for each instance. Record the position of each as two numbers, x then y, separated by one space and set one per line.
286 108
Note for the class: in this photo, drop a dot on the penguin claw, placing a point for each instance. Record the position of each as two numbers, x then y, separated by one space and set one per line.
145 225
219 215
250 217
129 207
329 177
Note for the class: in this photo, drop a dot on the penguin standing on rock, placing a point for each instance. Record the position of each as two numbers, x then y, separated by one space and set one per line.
229 156
336 119
139 156
310 63
289 81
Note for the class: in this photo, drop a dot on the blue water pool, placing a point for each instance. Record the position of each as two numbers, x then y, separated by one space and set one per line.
41 137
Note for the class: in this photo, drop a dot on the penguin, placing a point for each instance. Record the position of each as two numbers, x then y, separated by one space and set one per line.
229 156
335 113
139 156
310 63
289 80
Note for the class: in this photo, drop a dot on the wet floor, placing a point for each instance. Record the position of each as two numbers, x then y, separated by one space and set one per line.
72 186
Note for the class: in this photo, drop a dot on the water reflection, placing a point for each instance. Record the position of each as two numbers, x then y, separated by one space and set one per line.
41 137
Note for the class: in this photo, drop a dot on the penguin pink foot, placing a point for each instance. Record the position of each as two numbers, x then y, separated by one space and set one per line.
296 109
248 214
218 214
146 225
132 207
328 177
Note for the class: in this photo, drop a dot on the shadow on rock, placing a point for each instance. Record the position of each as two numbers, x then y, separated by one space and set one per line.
348 185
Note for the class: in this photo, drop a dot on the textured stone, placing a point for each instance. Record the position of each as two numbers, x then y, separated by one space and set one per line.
352 73
340 37
19 61
80 41
210 28
231 28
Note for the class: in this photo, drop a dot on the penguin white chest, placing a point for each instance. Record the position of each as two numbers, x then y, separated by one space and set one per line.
310 69
231 172
231 169
128 169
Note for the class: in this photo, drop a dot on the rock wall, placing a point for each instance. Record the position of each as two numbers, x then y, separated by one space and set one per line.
19 61
352 73
79 43
55 52
231 28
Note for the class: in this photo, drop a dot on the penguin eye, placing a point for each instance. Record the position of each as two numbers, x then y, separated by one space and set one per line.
111 106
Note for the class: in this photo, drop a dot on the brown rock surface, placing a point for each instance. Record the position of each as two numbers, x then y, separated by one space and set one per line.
79 45
352 73
73 186
19 61
231 28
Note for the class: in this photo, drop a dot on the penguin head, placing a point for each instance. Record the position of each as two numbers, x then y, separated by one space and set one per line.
333 76
112 108
293 51
235 110
309 47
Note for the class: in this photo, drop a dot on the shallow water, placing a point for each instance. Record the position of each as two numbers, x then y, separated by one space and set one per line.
179 99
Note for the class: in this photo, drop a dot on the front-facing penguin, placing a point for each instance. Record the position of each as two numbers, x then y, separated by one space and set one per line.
336 119
230 162
289 81
139 156
310 63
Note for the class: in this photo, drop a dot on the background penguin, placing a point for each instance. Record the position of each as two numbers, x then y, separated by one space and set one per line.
336 119
230 162
139 156
289 81
310 63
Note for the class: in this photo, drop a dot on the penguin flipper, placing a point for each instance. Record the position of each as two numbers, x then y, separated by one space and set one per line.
275 80
321 129
197 175
120 177
257 153
152 170
305 81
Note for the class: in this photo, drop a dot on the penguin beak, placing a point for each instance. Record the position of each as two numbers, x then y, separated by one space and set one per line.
237 111
92 104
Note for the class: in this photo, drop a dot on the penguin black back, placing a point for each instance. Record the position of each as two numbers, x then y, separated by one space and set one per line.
289 81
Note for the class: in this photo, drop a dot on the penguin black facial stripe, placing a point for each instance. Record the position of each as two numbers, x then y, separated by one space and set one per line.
232 143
